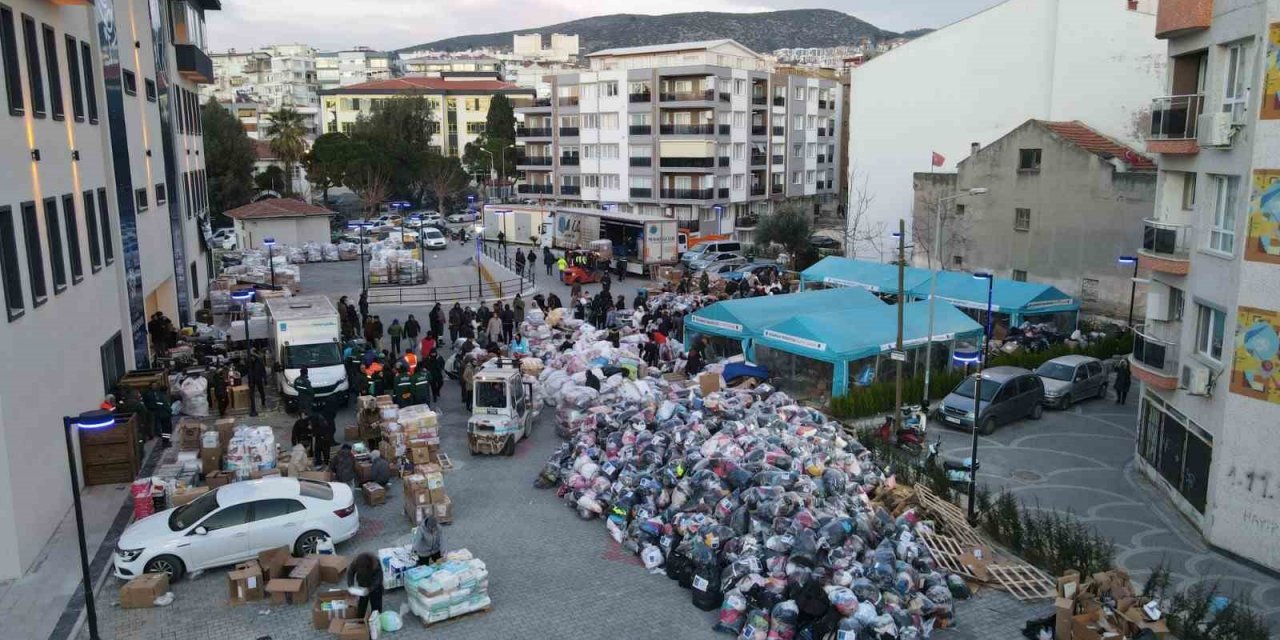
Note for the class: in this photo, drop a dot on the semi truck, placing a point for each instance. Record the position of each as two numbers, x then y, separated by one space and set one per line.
520 224
646 242
306 332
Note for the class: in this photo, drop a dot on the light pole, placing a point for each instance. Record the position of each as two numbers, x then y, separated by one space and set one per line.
243 297
98 419
900 355
1133 286
270 242
493 168
719 212
361 226
479 280
977 401
933 282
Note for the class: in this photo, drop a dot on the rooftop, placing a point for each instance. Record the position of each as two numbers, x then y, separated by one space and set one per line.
262 149
1086 138
662 48
277 208
412 84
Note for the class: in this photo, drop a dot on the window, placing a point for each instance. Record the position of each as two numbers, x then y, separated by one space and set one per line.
9 268
608 89
1177 303
140 195
796 177
738 181
108 240
589 121
799 93
739 118
1235 90
150 86
739 150
641 182
111 353
1222 236
808 176
959 210
91 227
90 85
609 151
739 87
797 122
957 260
73 237
609 181
54 70
12 77
797 150
1089 290
1019 275
811 150
275 508
475 128
812 122
1211 325
347 127
130 82
73 75
35 81
232 516
35 257
1022 219
1028 159
609 121
161 194
54 237
641 151
1188 191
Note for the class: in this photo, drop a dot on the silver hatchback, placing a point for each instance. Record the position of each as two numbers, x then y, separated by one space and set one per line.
1070 379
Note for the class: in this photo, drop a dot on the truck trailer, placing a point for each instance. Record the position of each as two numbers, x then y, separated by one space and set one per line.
306 332
646 242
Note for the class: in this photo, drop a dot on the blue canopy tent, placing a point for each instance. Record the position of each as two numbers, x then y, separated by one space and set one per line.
876 277
1018 300
743 319
839 338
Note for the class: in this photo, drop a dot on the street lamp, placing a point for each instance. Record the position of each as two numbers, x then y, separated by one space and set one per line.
719 212
977 400
933 281
493 169
479 229
243 297
1133 285
361 226
90 420
270 242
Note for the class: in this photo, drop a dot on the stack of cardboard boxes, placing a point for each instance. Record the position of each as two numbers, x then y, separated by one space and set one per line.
1103 607
142 591
424 493
284 578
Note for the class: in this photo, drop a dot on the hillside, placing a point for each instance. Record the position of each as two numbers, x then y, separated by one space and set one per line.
762 32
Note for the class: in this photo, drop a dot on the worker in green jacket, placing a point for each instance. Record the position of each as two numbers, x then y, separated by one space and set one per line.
404 388
421 386
157 401
306 395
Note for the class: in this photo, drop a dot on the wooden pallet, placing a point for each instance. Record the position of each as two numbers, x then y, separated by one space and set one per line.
446 465
955 519
1024 581
949 553
447 621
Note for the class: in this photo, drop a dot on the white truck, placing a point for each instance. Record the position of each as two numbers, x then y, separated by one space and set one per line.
647 242
520 224
503 408
306 332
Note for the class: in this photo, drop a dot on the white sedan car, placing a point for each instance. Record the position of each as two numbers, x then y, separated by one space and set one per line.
234 522
462 216
433 239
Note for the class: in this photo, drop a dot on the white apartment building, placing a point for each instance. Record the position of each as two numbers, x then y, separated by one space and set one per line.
977 79
102 223
354 66
433 66
272 77
1207 353
562 48
698 131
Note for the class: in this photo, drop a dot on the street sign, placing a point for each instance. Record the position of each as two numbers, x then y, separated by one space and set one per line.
900 356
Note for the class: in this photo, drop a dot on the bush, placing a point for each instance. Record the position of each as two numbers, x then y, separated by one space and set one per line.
1051 540
1198 613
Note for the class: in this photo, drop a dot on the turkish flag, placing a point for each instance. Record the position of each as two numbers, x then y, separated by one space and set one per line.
938 160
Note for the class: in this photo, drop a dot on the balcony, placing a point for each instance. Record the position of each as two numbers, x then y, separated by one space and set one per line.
534 161
1176 18
568 132
682 163
779 130
747 221
641 192
822 158
640 97
194 64
570 190
722 193
538 104
707 95
724 96
1173 124
640 162
779 101
822 133
778 160
534 189
759 130
758 160
724 161
640 129
1154 359
761 101
1166 247
757 190
823 104
723 129
568 101
687 194
778 189
570 161
533 132
687 129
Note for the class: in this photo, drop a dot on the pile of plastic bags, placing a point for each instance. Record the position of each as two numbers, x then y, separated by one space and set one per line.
762 508
250 449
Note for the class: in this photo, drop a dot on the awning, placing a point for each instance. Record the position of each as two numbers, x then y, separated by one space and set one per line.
838 336
1007 296
746 317
876 277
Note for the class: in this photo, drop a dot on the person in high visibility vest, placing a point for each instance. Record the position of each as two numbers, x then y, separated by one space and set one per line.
421 386
404 388
373 377
411 361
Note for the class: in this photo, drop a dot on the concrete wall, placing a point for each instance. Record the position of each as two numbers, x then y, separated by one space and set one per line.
975 80
288 232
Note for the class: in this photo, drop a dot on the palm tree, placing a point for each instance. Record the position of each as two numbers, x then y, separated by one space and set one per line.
287 133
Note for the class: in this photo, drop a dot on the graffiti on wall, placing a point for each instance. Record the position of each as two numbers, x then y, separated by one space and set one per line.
1271 77
1262 241
1256 370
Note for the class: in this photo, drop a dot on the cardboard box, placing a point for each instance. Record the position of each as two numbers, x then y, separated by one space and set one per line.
330 605
709 383
435 485
351 432
226 427
219 479
1063 609
210 460
1069 584
188 435
322 476
350 629
305 569
1137 622
245 583
287 591
444 510
240 396
1085 627
142 591
374 493
333 568
272 562
421 455
364 472
384 401
258 474
185 496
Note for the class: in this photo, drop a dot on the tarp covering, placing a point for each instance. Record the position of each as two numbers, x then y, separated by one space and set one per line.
1007 296
838 336
876 277
744 318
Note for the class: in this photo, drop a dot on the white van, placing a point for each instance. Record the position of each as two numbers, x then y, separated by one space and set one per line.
710 248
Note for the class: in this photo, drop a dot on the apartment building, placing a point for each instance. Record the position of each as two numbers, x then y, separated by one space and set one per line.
354 66
1207 352
560 48
277 76
433 66
703 132
102 222
459 103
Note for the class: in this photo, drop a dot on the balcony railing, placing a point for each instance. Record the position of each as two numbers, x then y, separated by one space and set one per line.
640 129
822 158
822 132
1169 243
688 162
1156 354
541 102
686 129
724 161
641 192
722 193
779 130
747 221
569 132
757 190
688 194
724 96
568 101
535 161
778 159
533 188
1174 117
687 96
760 100
193 63
759 159
533 132
640 97
570 161
778 188
570 190
640 162
759 130
723 129
779 101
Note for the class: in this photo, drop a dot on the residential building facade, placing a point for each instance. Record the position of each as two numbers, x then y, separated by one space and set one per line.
1063 204
434 66
354 66
1088 60
102 223
701 131
459 104
1207 350
272 77
561 47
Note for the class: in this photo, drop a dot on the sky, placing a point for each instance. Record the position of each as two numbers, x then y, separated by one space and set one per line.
392 24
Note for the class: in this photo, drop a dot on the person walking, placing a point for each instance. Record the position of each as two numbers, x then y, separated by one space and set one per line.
436 320
306 394
412 329
324 430
622 268
508 323
502 241
1124 378
365 582
533 264
429 344
258 375
396 333
519 263
493 331
219 384
561 265
421 382
548 259
455 322
466 381
517 306
364 307
404 388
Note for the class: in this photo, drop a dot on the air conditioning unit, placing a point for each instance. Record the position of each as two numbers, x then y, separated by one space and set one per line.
1196 379
1214 129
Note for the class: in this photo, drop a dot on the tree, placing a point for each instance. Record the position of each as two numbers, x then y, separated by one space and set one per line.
286 130
229 158
368 173
399 130
955 231
859 232
328 160
444 176
788 226
500 122
271 179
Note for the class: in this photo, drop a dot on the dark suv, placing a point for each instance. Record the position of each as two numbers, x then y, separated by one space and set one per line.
1008 393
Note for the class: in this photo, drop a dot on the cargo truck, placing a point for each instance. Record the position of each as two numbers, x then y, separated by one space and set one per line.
520 224
306 332
646 242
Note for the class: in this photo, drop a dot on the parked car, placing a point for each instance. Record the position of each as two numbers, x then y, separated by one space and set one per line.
723 269
224 238
386 221
1008 394
710 259
461 216
1069 379
824 243
708 248
424 219
758 268
234 522
433 239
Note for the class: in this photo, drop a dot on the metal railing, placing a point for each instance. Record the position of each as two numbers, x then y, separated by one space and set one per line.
723 161
722 193
779 131
822 132
779 101
778 159
759 159
760 100
533 132
1166 239
568 101
723 129
687 96
569 132
640 129
822 158
759 130
1174 117
570 190
640 97
641 192
724 96
569 161
640 162
758 190
534 188
1153 352
540 102
535 161
687 162
747 220
687 194
686 129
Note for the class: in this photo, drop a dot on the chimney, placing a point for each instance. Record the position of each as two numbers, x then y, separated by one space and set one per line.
973 148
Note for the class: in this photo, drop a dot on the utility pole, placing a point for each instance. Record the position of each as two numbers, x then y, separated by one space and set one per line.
899 355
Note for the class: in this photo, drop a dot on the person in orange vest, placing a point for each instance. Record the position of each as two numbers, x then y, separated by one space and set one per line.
410 360
373 374
108 403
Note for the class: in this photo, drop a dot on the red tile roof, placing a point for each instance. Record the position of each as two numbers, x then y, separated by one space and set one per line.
426 83
277 208
263 150
1083 136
